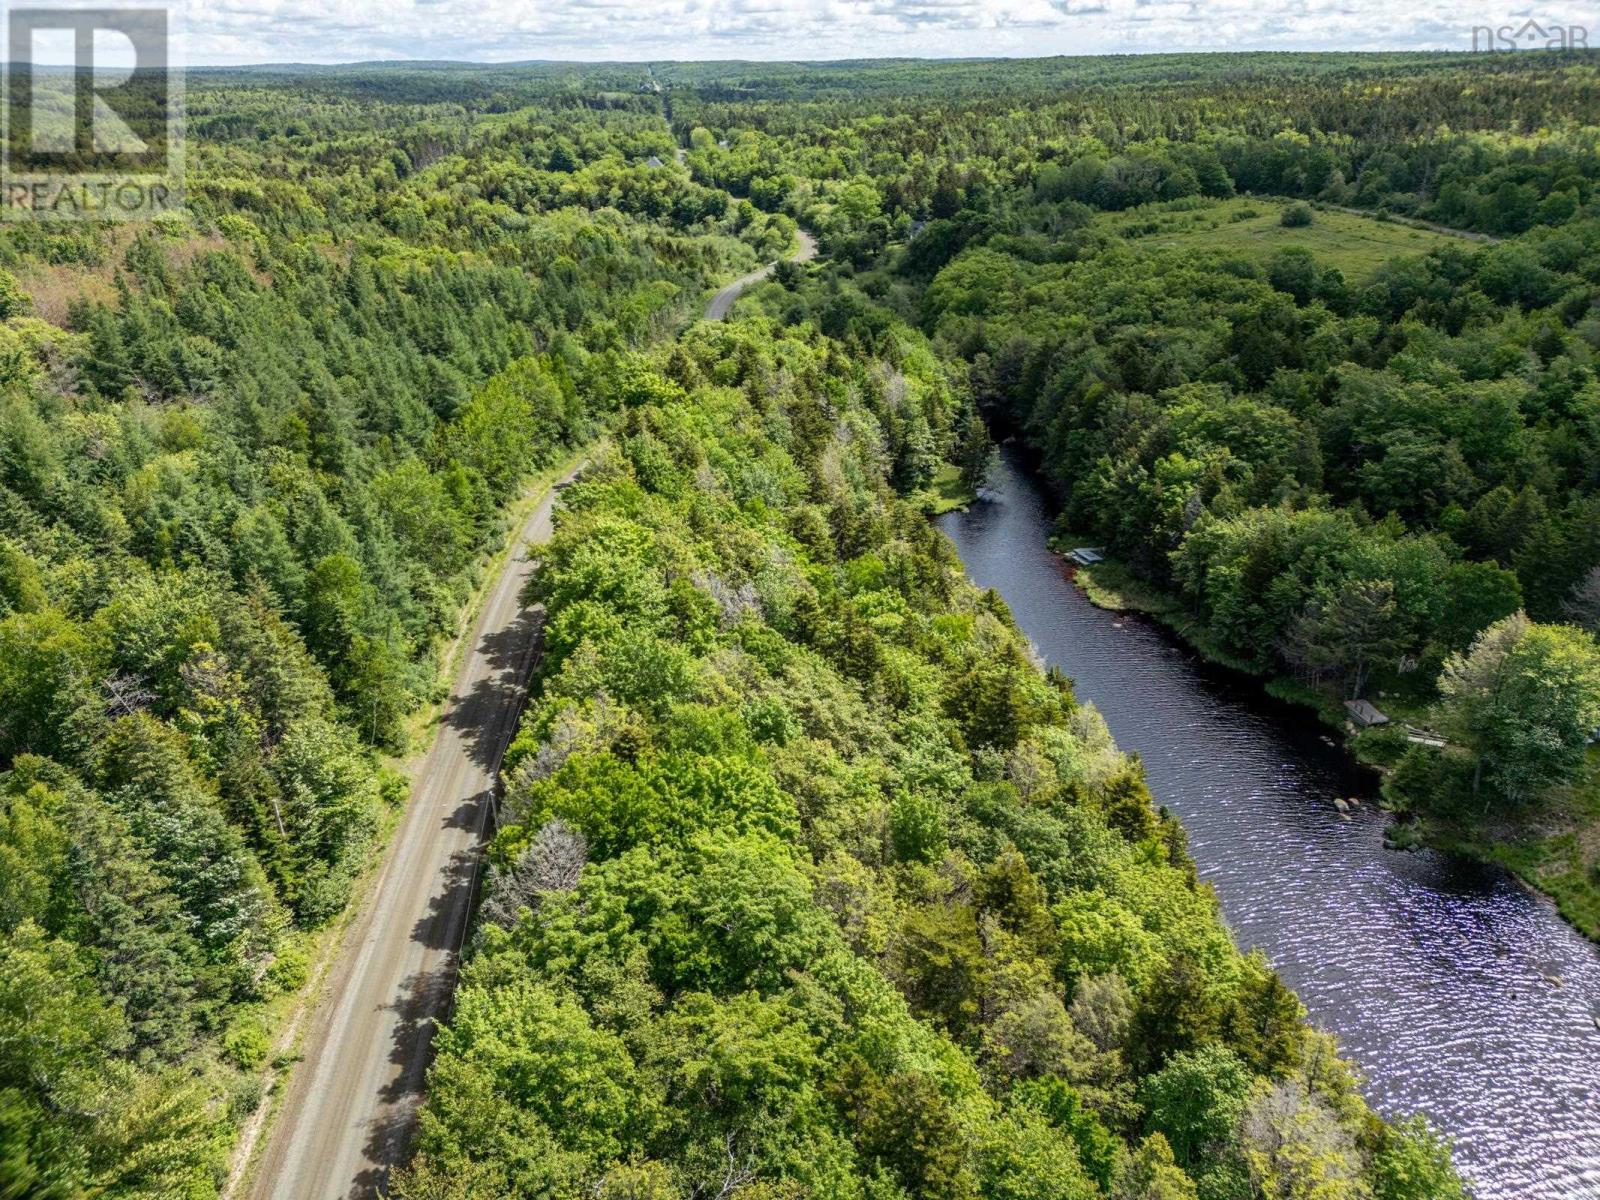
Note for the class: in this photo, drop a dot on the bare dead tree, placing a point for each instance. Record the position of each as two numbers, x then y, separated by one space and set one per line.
734 601
125 695
553 862
735 1174
1583 605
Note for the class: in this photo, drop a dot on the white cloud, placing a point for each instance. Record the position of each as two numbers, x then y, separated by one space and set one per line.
256 31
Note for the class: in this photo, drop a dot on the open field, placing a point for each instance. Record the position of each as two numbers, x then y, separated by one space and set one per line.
945 494
1252 226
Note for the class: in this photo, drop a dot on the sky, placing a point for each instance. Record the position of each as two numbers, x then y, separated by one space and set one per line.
220 32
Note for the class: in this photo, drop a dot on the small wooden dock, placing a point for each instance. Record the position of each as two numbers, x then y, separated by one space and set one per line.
1426 737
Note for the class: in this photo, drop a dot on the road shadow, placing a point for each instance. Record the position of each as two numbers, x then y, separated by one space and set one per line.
484 717
420 1006
449 908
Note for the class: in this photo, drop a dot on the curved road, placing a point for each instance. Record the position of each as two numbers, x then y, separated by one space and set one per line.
351 1104
723 300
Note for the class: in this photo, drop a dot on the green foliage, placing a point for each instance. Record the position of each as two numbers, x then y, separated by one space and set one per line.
851 901
1152 1174
1335 460
1195 1101
250 462
916 826
810 882
77 1120
1062 1106
1413 1163
1296 1148
1527 699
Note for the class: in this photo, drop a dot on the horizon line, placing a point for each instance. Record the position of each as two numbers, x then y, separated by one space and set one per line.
345 64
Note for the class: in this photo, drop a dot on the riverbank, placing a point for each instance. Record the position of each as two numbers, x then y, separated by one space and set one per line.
1555 849
947 493
1434 972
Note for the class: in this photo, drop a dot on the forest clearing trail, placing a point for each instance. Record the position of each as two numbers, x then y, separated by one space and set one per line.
351 1104
1470 235
723 300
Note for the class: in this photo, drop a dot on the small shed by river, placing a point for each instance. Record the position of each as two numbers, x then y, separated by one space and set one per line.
1085 556
1364 714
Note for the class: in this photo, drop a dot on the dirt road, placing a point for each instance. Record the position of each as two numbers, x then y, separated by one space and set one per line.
350 1107
351 1103
1418 223
723 300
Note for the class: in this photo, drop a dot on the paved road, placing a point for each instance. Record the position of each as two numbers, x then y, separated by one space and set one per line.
351 1104
723 300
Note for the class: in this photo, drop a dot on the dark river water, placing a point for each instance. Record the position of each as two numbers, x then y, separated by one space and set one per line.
1434 973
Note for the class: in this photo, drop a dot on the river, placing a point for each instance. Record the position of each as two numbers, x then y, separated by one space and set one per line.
1435 973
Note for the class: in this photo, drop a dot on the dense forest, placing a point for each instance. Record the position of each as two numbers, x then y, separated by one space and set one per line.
250 462
1317 370
809 880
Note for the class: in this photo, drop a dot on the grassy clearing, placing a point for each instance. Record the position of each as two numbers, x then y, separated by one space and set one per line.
945 494
1112 585
1252 228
